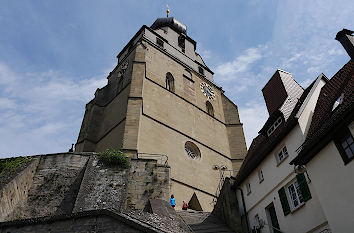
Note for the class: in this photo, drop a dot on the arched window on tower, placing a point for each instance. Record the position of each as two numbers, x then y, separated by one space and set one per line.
170 82
210 108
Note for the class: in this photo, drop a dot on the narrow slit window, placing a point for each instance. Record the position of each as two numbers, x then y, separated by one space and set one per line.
170 82
201 70
248 188
181 42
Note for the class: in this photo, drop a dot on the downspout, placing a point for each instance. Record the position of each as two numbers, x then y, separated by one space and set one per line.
244 209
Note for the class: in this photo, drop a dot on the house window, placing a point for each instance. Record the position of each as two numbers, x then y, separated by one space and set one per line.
248 188
274 126
345 145
201 70
170 82
260 176
210 108
282 154
192 150
295 194
159 42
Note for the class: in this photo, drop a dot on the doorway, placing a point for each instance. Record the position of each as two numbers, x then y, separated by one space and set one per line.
272 219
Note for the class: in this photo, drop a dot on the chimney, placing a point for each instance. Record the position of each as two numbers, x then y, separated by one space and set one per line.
346 38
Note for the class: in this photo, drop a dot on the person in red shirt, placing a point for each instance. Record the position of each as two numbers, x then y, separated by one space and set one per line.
185 205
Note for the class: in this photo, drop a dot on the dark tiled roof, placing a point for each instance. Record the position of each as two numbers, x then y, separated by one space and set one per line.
325 122
261 146
271 119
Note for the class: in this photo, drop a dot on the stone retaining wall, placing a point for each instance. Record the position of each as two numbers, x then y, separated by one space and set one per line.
16 191
147 180
74 182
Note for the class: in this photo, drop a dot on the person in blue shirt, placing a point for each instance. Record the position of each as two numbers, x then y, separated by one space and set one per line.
172 201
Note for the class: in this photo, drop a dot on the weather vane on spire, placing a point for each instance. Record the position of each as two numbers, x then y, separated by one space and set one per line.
167 10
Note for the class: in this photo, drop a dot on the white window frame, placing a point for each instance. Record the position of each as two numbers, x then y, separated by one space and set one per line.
274 126
284 154
260 175
294 195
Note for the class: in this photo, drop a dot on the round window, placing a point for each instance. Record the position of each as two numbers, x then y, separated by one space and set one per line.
192 150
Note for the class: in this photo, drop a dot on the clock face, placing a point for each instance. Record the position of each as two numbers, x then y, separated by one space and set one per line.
207 91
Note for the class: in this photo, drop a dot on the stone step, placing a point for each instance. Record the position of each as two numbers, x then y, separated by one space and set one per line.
203 222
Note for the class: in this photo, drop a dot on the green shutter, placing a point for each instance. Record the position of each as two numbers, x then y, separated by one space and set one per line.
304 188
284 201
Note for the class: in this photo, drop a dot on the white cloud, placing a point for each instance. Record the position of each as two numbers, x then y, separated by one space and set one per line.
313 70
41 112
240 64
6 103
203 52
306 83
253 116
335 51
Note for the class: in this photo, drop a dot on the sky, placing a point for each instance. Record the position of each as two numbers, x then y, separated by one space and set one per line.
55 54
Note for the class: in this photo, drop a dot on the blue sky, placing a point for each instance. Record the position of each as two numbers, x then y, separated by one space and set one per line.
54 54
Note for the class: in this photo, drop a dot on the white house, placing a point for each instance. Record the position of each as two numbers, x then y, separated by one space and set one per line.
272 197
328 151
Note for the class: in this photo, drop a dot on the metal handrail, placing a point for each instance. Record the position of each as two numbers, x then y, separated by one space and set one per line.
230 171
221 182
160 156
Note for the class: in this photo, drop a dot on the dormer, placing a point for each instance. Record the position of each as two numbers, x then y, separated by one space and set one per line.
273 123
281 93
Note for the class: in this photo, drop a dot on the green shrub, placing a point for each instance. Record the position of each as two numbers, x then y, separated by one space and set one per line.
10 165
114 157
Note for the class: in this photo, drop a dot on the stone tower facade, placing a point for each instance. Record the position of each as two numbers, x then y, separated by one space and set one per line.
161 99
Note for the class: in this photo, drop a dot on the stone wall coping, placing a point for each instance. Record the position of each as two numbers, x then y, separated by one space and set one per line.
132 222
58 153
86 154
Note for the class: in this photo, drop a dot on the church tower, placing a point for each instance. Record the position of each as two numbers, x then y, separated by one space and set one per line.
161 99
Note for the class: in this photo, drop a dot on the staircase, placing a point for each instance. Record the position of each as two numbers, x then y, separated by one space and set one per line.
203 222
